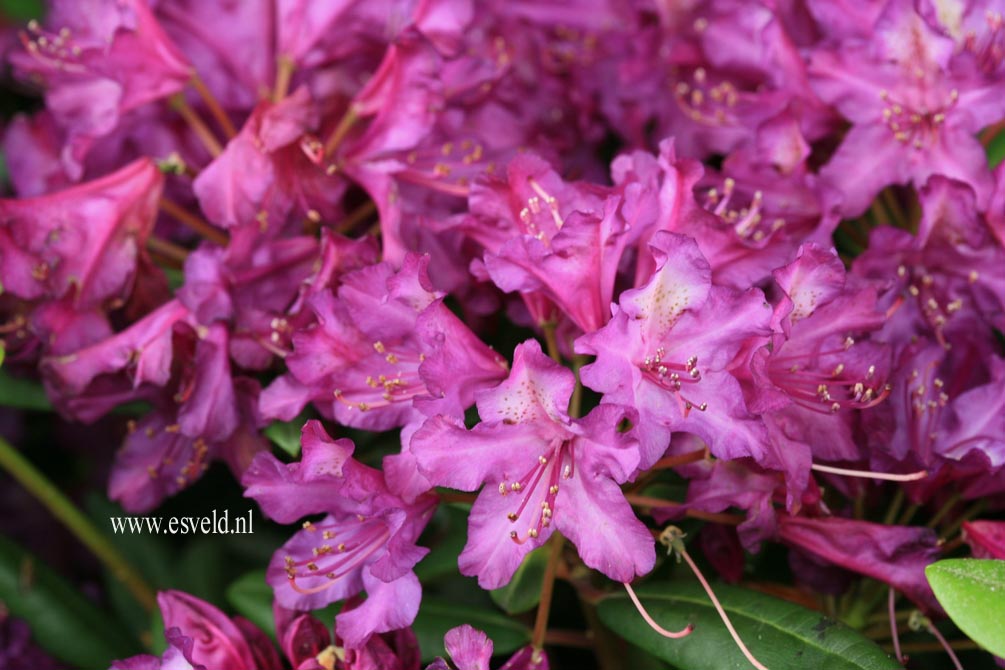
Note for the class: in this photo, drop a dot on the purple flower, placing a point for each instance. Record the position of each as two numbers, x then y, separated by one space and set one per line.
262 174
99 61
668 350
816 369
556 243
896 555
542 470
383 353
914 109
84 241
471 649
366 541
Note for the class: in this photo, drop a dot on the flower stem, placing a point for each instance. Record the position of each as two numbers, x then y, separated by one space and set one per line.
547 590
681 459
214 106
172 254
82 528
550 341
717 517
194 222
892 609
944 510
345 124
356 217
284 73
198 126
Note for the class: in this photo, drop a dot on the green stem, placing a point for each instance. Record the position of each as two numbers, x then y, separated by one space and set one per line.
550 341
63 509
944 510
894 509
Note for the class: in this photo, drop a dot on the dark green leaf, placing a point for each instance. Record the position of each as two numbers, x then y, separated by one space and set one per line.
62 621
251 596
21 10
972 591
996 150
437 616
524 591
780 635
445 537
22 393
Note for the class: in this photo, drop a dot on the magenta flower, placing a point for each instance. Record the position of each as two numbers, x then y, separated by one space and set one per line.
471 649
986 538
556 243
896 555
85 240
914 109
98 62
366 541
201 637
309 645
668 351
816 369
383 350
542 470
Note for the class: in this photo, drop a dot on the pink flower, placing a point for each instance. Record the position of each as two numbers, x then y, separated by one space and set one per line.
366 541
543 470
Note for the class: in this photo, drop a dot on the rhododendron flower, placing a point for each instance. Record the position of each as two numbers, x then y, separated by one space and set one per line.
98 62
85 239
667 352
915 108
201 637
471 649
366 541
543 471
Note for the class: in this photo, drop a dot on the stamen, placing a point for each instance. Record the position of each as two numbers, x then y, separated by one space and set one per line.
865 474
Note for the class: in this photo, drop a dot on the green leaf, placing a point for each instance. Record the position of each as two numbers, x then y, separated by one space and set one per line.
972 591
286 435
23 393
22 10
437 616
779 634
251 596
523 593
62 621
445 537
996 150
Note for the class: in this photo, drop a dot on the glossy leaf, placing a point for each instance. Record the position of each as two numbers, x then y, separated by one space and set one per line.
524 591
972 591
781 635
437 616
62 621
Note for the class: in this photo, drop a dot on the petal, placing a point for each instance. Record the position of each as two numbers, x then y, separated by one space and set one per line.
592 512
388 606
537 390
469 649
490 552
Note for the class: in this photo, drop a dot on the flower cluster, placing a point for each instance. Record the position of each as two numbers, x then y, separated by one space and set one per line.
760 242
